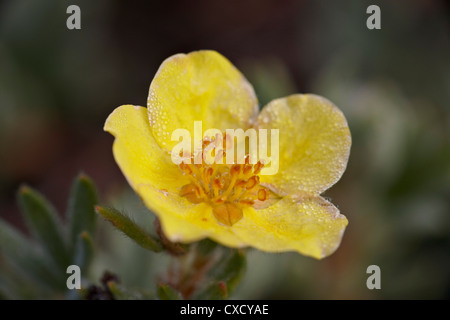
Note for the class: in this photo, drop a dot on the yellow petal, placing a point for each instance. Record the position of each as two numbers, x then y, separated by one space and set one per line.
199 86
138 155
183 221
312 227
314 143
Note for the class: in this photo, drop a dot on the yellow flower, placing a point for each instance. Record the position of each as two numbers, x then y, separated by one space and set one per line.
234 204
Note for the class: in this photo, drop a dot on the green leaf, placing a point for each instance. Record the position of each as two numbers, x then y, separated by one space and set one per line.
25 257
81 208
131 229
166 292
120 292
84 252
43 222
214 291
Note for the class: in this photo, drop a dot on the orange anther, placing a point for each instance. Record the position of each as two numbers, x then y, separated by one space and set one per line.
220 200
247 169
253 181
240 183
247 202
262 195
235 169
217 184
185 168
191 192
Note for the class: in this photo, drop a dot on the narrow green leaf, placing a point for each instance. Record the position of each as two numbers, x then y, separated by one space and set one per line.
120 292
166 292
25 257
81 211
84 252
214 291
131 229
43 222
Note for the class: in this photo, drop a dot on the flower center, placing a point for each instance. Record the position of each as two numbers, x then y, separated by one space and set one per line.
228 188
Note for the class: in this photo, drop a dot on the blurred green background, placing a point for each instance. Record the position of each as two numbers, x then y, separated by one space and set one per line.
58 86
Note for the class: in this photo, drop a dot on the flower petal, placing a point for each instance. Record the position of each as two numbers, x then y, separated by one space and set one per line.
136 152
312 226
314 143
183 221
201 85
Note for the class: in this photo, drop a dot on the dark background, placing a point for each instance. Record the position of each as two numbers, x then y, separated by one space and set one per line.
57 86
